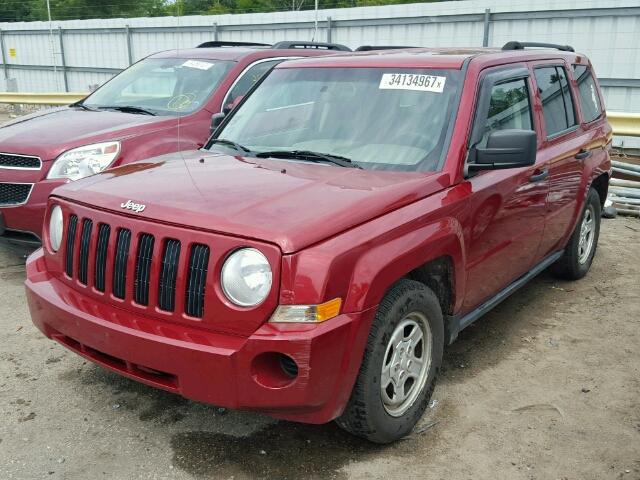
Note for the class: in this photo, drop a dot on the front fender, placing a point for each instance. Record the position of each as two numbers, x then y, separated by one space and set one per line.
189 134
361 264
380 267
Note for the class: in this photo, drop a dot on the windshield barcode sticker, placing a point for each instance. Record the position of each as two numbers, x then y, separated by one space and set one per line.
197 64
412 81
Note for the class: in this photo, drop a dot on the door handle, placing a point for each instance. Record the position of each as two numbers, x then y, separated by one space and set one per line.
539 175
582 154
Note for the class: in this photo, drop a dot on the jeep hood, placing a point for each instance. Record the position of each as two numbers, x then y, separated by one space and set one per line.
291 204
50 132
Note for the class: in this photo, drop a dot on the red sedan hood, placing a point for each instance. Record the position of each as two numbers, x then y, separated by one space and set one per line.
50 132
291 204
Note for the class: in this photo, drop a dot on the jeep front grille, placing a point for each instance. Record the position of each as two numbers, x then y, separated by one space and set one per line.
10 160
71 241
120 263
14 193
198 262
104 232
143 269
83 261
168 275
101 262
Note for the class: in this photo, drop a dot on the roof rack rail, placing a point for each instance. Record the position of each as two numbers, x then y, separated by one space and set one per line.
523 45
311 45
216 44
369 48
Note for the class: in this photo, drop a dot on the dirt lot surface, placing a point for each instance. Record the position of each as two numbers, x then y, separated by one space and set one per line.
547 386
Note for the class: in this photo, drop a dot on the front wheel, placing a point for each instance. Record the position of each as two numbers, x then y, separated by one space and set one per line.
400 365
581 248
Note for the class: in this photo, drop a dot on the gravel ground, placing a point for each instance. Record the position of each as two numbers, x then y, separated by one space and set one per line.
547 386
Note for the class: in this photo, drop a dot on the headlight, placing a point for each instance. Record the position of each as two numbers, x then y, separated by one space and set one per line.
55 228
246 277
84 161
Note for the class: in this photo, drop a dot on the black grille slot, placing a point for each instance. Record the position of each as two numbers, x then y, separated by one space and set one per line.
14 193
71 241
168 274
120 263
143 269
85 239
196 280
8 160
104 232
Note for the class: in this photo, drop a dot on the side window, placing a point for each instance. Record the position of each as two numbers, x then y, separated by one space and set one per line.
589 99
248 79
557 103
509 107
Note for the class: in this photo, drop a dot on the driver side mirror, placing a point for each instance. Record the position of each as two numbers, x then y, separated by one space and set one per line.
506 149
216 120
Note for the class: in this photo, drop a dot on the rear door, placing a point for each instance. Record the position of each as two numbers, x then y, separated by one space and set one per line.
564 148
508 206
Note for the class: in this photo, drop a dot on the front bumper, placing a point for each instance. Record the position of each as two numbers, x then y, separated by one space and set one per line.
225 370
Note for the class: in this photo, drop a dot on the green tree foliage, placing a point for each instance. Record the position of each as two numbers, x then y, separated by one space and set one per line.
31 10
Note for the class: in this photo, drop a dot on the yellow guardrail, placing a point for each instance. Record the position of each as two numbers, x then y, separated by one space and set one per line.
623 123
41 98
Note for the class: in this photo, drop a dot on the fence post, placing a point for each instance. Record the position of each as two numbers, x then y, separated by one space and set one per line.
129 47
215 32
63 61
329 28
4 58
485 35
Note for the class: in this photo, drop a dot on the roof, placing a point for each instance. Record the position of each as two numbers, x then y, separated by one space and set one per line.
444 58
257 51
221 53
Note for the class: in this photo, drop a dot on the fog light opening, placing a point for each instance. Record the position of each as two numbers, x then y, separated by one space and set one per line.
274 370
289 366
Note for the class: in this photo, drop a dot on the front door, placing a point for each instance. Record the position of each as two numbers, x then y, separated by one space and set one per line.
508 206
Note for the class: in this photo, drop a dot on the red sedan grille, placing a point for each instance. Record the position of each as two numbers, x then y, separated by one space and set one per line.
91 247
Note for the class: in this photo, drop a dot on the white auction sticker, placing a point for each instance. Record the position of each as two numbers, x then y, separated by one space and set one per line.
412 81
197 64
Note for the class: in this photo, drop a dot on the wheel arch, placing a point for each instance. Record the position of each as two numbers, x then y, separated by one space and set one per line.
601 185
432 255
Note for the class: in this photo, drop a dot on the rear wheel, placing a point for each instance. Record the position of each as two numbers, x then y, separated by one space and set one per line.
400 365
581 248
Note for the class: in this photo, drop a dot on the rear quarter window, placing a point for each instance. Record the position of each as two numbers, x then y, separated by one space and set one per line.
587 93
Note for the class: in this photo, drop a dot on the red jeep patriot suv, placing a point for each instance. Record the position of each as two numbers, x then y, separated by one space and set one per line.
343 224
133 116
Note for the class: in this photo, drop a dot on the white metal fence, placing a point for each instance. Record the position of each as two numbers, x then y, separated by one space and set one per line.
73 55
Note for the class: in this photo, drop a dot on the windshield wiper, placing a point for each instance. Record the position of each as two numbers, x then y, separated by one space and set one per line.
130 109
83 106
230 143
310 156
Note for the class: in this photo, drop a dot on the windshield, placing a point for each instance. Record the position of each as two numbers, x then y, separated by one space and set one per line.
163 86
385 119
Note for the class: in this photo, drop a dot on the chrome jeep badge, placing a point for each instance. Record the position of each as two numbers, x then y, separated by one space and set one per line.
136 207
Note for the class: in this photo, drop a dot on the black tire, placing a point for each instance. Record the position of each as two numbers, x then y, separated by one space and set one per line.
366 415
570 266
